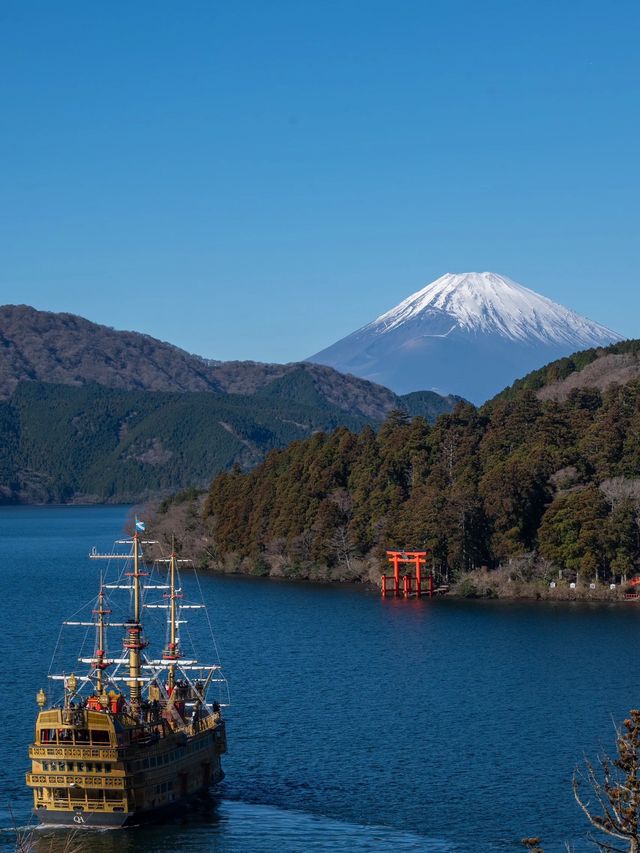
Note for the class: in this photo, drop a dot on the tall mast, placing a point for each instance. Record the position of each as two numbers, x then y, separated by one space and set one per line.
100 652
171 652
134 642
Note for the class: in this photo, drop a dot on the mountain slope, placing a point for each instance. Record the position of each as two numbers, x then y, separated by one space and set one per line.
61 443
66 349
89 443
470 334
598 368
89 413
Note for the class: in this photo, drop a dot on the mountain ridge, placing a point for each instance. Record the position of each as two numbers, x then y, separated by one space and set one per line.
93 414
64 348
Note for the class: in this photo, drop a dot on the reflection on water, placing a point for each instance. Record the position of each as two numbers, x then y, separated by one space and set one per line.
228 826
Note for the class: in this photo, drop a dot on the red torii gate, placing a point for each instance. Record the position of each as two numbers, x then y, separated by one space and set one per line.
418 559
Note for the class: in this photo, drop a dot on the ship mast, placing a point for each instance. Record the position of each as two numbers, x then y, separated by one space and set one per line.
171 653
134 642
100 652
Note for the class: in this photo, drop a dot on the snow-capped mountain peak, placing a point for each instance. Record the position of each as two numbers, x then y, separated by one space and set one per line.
465 333
490 303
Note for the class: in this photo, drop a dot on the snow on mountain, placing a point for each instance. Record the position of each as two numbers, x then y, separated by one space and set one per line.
467 333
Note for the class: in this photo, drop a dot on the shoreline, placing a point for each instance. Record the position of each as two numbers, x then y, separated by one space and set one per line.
479 585
539 594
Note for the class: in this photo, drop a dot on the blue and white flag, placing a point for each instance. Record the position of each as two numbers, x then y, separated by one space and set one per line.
139 524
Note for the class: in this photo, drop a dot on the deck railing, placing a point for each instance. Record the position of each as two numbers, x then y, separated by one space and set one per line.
73 752
88 805
88 781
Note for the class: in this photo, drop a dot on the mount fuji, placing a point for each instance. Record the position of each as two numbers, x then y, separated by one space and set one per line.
470 334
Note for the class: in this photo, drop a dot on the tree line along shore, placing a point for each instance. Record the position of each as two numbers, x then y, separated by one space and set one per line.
520 498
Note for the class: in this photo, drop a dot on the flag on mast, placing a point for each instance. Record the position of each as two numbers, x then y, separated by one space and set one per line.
139 524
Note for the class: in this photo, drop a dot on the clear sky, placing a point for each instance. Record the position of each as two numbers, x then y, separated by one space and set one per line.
257 178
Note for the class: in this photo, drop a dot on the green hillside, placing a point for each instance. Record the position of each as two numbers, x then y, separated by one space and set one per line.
90 443
537 484
60 443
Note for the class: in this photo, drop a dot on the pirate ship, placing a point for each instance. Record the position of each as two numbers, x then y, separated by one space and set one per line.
134 735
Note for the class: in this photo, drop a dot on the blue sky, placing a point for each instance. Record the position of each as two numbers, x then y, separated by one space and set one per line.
257 179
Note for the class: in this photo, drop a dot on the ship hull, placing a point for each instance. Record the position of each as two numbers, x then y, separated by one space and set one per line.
95 820
117 820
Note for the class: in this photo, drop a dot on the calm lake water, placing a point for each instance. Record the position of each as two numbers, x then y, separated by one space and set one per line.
356 724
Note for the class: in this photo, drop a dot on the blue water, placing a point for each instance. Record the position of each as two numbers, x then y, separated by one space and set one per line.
356 724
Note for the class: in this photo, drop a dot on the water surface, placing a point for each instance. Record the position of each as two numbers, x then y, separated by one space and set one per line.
356 723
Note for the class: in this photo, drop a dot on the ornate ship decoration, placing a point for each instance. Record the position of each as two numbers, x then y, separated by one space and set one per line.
136 735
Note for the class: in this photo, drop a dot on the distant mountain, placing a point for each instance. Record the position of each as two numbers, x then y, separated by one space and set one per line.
91 414
66 349
470 334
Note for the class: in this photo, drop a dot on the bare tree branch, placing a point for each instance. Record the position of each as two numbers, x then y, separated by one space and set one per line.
615 788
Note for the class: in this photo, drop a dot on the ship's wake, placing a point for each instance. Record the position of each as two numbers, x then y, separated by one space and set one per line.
233 826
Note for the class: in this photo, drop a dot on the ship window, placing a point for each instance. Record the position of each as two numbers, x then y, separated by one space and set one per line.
45 765
82 736
89 767
100 737
145 764
54 765
107 768
113 795
81 766
62 766
48 736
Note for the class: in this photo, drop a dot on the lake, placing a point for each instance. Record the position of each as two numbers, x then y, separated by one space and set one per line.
355 723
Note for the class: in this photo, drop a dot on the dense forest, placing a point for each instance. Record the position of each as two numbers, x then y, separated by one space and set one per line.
541 483
89 443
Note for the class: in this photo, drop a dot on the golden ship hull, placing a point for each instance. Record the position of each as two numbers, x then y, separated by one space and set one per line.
96 769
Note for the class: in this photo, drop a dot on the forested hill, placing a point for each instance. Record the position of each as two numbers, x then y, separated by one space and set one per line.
90 443
558 480
65 349
599 368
